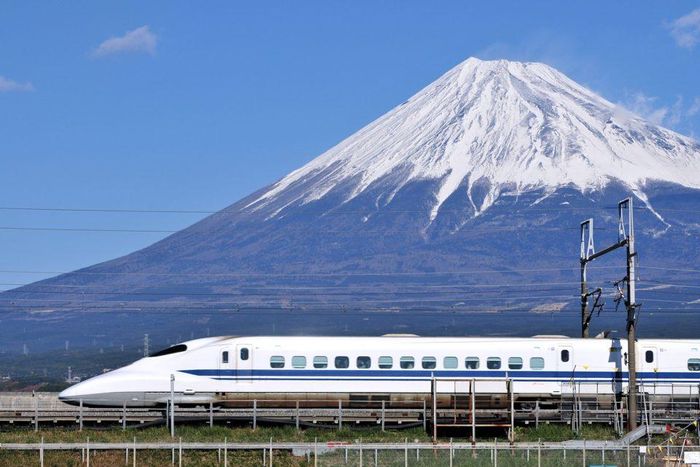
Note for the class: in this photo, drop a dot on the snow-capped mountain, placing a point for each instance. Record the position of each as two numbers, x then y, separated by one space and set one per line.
468 196
496 125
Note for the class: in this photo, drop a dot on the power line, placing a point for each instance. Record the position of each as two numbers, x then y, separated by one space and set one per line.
109 210
78 229
319 274
386 289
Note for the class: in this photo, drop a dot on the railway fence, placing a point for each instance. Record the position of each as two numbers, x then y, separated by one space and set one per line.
356 453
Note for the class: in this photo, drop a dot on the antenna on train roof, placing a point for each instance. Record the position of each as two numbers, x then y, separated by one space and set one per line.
625 238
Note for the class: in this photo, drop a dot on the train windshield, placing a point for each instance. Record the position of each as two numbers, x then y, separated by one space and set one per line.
170 350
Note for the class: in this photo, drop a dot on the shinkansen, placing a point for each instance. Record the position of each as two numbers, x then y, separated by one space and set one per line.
223 370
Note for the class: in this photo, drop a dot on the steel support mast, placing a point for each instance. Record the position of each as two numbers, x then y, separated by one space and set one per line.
625 238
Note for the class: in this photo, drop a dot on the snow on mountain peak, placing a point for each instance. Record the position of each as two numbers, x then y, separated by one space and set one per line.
499 123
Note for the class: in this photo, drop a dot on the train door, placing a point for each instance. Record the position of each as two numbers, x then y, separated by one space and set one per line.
648 367
244 363
566 368
225 364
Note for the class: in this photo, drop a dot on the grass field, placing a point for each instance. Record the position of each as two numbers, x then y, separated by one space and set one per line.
265 434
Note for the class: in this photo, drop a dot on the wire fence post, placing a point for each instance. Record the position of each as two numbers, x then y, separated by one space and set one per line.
172 405
225 452
405 453
495 453
87 451
315 452
124 416
539 452
270 452
584 453
41 452
133 452
383 413
179 452
433 402
211 415
340 414
360 452
80 416
296 413
36 413
603 453
255 414
473 409
511 433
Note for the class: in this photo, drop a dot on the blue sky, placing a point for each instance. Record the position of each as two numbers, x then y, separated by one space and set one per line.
191 105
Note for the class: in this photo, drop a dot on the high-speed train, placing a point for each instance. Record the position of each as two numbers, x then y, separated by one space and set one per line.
325 370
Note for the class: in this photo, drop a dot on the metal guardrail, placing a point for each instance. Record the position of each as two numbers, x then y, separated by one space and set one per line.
656 407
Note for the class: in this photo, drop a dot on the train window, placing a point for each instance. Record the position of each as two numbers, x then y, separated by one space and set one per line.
277 361
342 362
170 350
364 362
429 363
244 353
224 356
407 363
472 363
649 356
515 363
450 362
298 361
694 364
320 362
536 363
564 355
386 362
493 363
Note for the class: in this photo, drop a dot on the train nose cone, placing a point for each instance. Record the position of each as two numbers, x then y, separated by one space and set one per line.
97 391
72 395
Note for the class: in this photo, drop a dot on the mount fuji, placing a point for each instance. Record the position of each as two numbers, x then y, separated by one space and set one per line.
466 197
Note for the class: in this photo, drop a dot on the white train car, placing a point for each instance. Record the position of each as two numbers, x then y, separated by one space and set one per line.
324 370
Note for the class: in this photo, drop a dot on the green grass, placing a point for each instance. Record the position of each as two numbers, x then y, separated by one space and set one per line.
551 432
217 433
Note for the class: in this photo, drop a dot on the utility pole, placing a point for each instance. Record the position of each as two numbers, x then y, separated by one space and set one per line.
587 250
172 405
625 238
631 313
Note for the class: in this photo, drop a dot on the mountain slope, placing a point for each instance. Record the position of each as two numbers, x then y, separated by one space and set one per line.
479 179
495 124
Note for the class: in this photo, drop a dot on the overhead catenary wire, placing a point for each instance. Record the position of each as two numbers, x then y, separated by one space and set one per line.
310 274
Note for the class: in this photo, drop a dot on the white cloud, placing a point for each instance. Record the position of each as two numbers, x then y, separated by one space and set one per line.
8 85
140 40
648 108
645 106
686 29
694 107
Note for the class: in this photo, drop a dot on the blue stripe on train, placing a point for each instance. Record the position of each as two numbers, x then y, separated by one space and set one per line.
408 375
